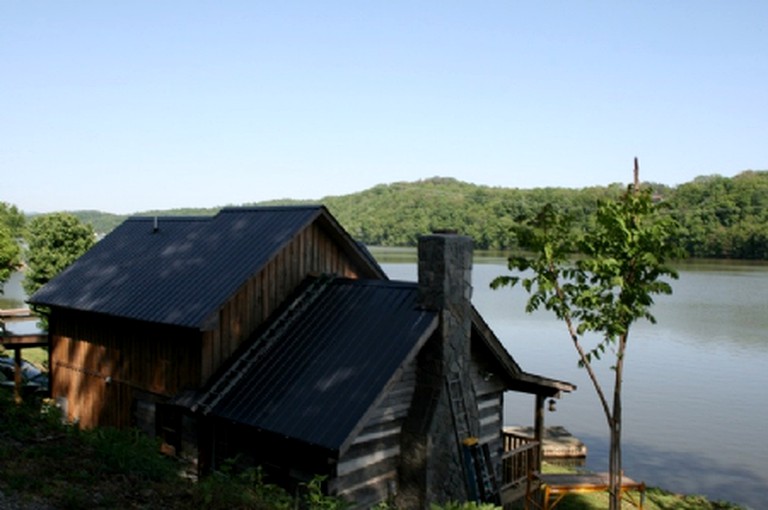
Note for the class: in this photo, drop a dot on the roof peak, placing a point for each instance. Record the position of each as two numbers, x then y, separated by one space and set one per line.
294 207
227 209
170 218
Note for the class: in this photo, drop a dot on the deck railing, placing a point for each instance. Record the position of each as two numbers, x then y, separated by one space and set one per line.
519 461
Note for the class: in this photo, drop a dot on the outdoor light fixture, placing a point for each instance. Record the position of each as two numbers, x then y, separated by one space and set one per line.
552 407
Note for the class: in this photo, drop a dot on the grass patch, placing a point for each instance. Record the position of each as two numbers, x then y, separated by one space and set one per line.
129 452
38 356
45 461
655 499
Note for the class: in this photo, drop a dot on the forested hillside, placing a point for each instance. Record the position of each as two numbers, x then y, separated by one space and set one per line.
396 214
722 217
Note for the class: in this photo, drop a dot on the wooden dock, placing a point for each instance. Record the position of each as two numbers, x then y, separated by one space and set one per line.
18 329
557 442
16 314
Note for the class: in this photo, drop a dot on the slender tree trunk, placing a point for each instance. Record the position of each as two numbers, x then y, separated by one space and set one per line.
614 458
614 463
582 354
612 417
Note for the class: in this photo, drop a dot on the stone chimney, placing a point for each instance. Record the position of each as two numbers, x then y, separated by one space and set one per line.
432 461
445 285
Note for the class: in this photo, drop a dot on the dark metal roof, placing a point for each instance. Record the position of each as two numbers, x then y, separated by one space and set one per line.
514 376
183 271
315 378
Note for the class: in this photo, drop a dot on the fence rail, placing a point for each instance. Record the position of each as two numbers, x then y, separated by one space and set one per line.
519 461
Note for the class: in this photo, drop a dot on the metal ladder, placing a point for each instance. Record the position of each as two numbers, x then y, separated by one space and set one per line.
481 478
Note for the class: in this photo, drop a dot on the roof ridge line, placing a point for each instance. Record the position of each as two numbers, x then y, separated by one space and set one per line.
242 208
170 217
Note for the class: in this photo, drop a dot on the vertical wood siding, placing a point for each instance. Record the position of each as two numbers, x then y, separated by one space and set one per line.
100 364
310 252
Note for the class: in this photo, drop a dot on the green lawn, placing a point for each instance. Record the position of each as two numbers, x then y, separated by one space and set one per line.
36 355
655 499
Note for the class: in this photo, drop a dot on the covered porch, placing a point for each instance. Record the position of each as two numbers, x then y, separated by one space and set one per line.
523 454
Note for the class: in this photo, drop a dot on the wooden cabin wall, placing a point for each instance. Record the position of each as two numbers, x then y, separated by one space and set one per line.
489 391
107 369
310 252
367 472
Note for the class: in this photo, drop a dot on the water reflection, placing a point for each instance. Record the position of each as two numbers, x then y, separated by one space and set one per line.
12 293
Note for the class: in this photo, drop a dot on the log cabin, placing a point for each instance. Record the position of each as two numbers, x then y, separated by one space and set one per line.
270 335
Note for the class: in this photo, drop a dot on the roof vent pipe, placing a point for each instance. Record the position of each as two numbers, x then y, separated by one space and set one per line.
155 226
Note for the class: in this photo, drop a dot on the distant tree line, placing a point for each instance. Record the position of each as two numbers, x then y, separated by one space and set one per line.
721 217
396 214
724 217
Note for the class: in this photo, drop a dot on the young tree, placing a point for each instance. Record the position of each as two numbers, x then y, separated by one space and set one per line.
600 281
11 227
54 241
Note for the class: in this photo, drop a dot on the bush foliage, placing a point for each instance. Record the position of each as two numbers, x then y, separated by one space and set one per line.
47 464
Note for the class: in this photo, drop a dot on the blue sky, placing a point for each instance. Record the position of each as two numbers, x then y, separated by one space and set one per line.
129 106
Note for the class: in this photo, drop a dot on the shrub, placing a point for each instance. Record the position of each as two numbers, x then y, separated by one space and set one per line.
130 453
225 489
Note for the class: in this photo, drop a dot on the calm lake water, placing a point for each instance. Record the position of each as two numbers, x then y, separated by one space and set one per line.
695 401
13 295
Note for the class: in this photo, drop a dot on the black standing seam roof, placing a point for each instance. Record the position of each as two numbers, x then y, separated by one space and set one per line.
515 379
317 380
180 272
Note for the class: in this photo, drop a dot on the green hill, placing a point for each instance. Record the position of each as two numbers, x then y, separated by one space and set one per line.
722 217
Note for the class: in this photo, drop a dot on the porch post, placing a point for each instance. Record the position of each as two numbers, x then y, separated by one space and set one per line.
538 428
17 374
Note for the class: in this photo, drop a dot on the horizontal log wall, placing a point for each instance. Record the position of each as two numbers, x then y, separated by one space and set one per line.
489 390
368 472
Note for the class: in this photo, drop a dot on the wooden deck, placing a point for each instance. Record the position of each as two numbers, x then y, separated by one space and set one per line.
522 479
521 458
554 487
